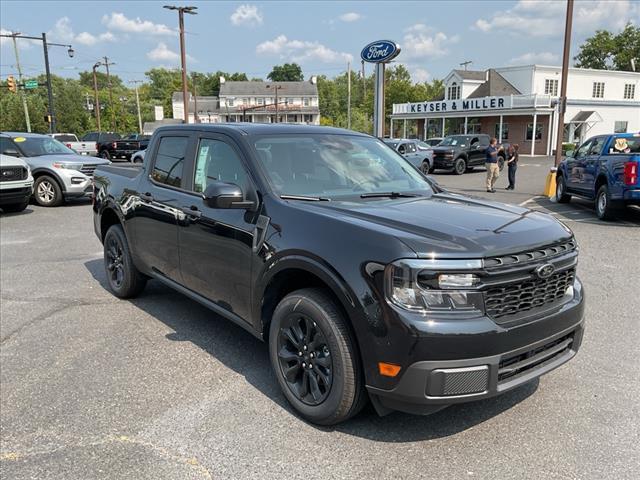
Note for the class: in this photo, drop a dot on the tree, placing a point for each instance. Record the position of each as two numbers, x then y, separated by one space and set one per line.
289 72
608 51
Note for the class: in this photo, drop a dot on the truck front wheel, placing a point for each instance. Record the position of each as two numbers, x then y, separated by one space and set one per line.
314 358
561 190
124 278
459 166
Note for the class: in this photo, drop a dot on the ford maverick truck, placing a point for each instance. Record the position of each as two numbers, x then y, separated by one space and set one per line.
367 280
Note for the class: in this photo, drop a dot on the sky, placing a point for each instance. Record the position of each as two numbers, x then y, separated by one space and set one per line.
252 37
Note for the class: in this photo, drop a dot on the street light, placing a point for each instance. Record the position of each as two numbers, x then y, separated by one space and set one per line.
276 88
45 45
183 55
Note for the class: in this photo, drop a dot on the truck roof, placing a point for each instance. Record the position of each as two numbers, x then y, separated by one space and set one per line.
245 128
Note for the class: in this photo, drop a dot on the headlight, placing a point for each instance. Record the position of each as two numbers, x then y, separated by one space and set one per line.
67 165
435 286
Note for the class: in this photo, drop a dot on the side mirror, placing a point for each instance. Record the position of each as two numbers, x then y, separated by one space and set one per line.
12 152
225 195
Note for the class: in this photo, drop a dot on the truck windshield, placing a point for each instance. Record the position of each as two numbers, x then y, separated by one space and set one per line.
321 165
37 146
453 141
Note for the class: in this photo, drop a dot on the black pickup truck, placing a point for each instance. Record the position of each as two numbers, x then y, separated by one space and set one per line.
123 148
460 153
366 279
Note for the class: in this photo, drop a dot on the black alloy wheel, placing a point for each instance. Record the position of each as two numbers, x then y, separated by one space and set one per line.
305 359
114 261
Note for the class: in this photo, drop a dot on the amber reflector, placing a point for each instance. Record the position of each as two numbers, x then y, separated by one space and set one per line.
388 369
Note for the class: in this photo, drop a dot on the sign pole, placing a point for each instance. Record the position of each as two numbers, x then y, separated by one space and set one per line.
378 102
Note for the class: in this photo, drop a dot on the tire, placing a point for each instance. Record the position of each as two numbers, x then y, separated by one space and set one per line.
105 154
15 207
47 191
606 209
426 167
459 166
137 159
561 190
124 279
308 326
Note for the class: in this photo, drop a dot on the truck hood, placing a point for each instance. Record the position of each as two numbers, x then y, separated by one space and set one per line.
445 149
453 225
49 159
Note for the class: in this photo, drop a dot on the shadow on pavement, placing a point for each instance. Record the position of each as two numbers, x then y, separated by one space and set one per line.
26 211
248 356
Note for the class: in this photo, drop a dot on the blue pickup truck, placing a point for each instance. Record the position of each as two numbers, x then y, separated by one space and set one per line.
604 169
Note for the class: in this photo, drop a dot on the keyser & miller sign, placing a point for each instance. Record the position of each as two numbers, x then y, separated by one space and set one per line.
463 105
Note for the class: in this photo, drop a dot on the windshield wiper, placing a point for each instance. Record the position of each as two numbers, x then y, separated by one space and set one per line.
389 195
305 197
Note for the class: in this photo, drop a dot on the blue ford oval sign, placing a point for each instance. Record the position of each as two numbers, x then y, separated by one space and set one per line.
380 51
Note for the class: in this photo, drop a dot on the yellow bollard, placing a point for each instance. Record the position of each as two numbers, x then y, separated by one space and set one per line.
550 183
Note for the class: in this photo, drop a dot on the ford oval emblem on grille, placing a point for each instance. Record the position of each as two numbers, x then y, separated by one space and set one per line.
545 271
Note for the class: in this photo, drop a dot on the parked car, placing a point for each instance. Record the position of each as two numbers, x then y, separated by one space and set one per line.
58 172
433 141
124 148
461 153
604 169
364 278
138 157
71 141
103 141
16 184
419 154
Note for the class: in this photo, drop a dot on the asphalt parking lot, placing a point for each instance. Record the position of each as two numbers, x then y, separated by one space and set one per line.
93 387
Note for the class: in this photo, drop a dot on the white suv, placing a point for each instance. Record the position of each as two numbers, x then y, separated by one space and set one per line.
16 184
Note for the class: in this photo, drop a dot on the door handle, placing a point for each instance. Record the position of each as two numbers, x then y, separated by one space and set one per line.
192 211
146 197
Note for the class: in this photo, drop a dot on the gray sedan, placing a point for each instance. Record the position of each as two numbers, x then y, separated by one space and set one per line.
59 173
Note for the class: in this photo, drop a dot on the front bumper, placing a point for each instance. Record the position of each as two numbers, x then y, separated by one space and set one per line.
462 365
13 194
76 184
444 163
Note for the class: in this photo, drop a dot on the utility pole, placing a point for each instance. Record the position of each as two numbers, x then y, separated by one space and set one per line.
364 83
97 99
349 95
111 105
562 105
195 100
183 54
135 86
22 94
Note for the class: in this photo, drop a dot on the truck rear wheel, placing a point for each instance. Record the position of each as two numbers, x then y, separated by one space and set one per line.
124 278
314 358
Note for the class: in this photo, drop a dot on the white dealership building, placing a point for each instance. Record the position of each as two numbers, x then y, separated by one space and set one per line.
520 104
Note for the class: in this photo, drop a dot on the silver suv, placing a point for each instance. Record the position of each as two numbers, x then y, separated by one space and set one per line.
59 173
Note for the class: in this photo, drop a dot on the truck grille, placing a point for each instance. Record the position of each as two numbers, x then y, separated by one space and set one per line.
88 169
517 297
11 174
531 256
515 365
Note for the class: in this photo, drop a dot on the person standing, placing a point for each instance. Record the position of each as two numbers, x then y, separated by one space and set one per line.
512 165
491 164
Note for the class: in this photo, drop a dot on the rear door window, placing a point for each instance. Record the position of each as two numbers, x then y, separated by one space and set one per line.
170 159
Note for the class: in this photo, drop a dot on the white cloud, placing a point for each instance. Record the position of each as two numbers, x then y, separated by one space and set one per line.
539 18
419 74
350 17
301 51
247 15
63 32
421 41
162 53
119 22
541 58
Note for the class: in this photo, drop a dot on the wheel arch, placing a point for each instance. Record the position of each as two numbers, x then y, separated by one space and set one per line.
39 172
600 180
108 218
294 273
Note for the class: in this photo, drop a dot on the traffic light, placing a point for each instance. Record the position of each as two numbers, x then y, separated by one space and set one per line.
47 118
11 83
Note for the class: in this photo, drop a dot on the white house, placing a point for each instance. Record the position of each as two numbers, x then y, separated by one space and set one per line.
257 102
512 103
